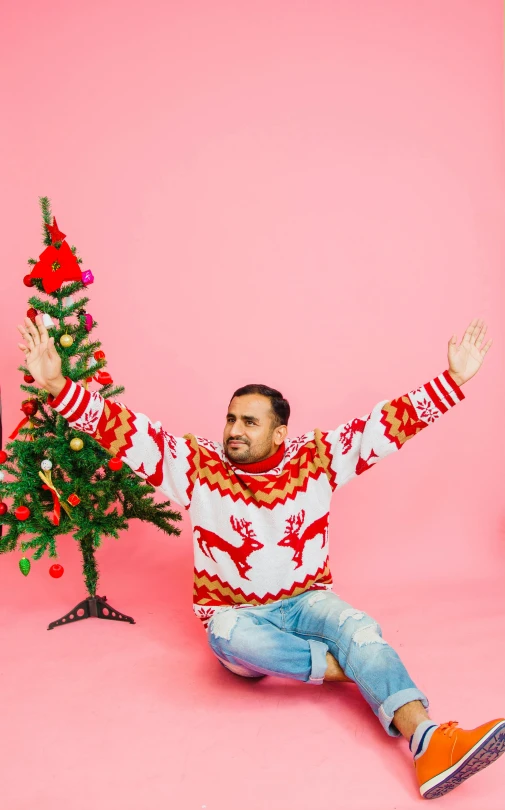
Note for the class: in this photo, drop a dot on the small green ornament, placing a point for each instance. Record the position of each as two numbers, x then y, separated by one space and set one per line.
25 565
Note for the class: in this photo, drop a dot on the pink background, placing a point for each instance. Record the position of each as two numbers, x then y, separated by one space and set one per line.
308 195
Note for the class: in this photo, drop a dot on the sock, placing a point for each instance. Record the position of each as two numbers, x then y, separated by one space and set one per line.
421 737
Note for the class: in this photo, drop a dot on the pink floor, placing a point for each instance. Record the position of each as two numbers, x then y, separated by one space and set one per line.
123 717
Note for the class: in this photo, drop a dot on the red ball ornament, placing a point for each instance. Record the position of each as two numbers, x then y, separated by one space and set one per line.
3 508
115 464
103 378
99 355
22 513
56 570
28 281
32 314
3 456
30 407
28 378
89 379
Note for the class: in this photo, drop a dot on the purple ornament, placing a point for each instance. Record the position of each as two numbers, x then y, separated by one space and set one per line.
88 322
87 277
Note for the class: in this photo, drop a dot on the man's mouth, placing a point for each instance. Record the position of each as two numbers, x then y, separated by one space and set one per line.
234 442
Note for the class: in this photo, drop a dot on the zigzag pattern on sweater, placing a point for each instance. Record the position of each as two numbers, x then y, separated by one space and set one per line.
211 590
401 421
309 462
115 429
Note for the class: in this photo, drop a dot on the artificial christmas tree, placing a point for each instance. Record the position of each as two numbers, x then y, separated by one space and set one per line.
54 468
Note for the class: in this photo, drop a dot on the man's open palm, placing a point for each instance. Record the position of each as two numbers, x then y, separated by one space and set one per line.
466 359
41 358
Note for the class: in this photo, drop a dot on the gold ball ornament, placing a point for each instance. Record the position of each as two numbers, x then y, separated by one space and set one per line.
76 444
66 341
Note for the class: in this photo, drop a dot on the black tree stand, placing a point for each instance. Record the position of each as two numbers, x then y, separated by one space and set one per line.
93 605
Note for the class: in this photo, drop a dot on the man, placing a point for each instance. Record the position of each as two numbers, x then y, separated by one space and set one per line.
259 505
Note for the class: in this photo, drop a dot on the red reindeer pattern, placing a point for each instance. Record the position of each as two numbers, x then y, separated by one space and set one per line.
346 437
348 432
156 477
171 443
240 554
293 539
364 463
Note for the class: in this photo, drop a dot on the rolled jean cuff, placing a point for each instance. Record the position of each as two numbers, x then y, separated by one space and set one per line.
318 650
396 701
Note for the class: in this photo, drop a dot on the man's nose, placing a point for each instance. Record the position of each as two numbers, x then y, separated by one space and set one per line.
236 431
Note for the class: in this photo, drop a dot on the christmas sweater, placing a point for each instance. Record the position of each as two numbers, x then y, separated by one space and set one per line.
260 530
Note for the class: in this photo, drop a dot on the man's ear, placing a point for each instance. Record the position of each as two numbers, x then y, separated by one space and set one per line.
281 433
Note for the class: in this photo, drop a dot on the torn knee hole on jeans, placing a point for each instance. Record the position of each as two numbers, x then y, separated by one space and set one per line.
350 613
223 623
368 635
318 597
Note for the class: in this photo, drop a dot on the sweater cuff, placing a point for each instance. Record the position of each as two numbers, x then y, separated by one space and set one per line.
444 392
72 400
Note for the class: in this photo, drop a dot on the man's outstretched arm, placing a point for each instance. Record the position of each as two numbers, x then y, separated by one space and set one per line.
355 447
165 461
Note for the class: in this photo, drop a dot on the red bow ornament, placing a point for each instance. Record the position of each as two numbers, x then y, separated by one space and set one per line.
57 502
55 266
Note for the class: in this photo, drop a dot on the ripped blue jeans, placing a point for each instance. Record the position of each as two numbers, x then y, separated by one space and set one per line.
290 638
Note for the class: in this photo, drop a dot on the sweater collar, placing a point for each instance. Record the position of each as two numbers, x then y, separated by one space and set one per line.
264 465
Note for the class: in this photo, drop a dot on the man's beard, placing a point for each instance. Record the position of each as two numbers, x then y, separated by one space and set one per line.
233 452
238 454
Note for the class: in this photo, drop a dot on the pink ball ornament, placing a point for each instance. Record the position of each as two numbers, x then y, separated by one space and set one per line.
87 277
88 322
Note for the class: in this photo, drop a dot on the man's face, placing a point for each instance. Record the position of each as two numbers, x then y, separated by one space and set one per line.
249 434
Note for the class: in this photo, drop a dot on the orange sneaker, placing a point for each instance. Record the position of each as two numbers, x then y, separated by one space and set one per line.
454 754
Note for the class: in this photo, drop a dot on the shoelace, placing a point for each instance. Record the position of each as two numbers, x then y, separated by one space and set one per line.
449 728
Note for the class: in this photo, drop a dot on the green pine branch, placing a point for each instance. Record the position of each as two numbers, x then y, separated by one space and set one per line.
80 304
45 306
73 287
9 541
45 205
74 251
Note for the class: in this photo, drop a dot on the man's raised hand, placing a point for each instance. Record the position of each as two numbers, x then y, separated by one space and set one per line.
41 358
466 359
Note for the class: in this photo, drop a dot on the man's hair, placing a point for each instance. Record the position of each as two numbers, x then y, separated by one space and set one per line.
279 405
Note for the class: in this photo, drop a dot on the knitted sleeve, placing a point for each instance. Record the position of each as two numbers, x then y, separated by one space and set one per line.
355 447
164 461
